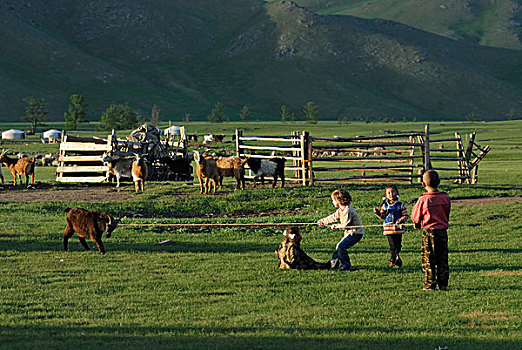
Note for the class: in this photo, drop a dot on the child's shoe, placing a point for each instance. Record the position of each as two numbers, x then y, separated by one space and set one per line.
334 263
398 262
390 262
345 268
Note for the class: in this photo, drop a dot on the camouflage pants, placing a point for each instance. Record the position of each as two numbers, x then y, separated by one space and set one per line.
435 258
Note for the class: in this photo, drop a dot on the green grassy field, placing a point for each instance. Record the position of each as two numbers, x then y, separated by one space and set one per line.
221 288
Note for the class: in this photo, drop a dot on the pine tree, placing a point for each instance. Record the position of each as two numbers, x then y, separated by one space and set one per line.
35 112
217 115
76 112
244 114
155 116
285 114
118 117
310 112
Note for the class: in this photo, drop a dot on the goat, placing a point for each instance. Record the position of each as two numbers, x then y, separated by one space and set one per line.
192 137
19 167
231 166
208 138
139 173
88 223
206 169
180 167
118 166
219 137
267 167
47 160
377 151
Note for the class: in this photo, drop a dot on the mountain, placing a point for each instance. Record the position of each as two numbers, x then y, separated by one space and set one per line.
186 56
484 22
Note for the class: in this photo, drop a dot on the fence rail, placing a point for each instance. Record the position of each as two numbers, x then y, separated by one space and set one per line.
399 156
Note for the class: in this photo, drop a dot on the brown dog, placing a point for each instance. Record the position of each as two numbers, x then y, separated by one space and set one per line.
291 256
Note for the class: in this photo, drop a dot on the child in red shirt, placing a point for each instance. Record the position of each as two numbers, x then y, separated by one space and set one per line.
431 213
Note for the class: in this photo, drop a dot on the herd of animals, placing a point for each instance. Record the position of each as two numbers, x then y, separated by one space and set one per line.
210 169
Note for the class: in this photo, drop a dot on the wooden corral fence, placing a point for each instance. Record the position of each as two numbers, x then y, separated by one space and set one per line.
292 147
389 157
80 158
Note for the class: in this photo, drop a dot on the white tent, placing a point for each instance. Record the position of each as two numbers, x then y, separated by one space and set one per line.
13 134
52 133
173 130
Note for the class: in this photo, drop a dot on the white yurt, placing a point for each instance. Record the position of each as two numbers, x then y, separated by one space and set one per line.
57 134
174 130
13 134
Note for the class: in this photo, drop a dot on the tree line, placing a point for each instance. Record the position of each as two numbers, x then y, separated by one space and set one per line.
122 116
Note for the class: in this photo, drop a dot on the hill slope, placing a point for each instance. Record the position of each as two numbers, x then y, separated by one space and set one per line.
483 22
186 56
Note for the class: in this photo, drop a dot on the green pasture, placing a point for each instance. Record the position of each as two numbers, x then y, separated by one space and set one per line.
221 288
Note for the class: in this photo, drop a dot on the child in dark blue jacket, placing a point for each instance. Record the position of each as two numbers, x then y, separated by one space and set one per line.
394 214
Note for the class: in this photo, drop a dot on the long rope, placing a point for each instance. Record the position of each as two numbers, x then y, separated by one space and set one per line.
258 224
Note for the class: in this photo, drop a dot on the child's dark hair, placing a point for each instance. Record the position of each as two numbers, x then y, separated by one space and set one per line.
394 187
431 178
294 230
342 197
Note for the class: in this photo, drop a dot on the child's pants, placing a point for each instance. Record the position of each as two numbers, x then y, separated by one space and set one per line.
341 251
435 258
395 241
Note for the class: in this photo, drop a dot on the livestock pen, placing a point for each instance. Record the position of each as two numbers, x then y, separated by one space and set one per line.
387 157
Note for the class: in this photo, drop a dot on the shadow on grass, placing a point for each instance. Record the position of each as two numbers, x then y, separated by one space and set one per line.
176 337
174 247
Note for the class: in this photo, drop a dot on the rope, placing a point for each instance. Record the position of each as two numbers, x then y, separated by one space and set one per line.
258 224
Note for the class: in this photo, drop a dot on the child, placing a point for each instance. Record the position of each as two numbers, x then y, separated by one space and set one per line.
291 256
347 216
431 213
394 213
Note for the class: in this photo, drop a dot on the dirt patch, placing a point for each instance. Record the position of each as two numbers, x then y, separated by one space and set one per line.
77 192
503 273
486 200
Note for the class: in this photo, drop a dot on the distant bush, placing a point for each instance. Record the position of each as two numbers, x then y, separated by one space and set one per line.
119 117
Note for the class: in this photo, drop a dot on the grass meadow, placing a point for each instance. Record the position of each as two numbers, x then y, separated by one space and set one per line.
221 288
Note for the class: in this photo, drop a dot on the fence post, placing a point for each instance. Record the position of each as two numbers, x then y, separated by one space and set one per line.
412 160
427 161
303 161
309 159
239 134
296 163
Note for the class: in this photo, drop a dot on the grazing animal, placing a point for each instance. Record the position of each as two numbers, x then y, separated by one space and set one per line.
233 167
19 167
193 137
267 167
180 168
378 149
206 169
118 166
88 223
208 138
219 137
291 256
139 173
47 160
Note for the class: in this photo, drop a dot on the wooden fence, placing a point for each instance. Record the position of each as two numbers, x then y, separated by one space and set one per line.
80 158
388 157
